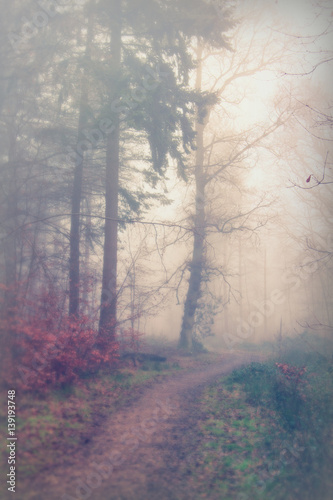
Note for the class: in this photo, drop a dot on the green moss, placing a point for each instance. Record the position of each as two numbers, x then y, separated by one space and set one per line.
265 436
244 465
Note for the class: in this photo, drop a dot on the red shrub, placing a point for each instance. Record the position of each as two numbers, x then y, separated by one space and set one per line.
291 373
132 340
52 349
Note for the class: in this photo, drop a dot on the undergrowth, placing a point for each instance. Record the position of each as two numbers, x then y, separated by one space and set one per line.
52 425
268 430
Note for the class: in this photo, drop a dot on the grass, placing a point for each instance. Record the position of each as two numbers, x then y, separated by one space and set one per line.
51 426
264 435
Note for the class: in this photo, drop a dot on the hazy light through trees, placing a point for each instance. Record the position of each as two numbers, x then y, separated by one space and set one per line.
301 76
266 152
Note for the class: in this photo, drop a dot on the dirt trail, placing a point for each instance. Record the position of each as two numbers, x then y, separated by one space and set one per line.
136 454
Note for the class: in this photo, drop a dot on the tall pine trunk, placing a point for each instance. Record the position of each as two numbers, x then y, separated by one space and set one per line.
197 262
74 241
8 329
108 313
10 240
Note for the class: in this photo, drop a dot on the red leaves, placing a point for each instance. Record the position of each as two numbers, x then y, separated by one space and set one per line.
131 339
309 178
54 349
291 372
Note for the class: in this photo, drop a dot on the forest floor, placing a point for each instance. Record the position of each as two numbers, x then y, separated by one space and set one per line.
148 441
234 426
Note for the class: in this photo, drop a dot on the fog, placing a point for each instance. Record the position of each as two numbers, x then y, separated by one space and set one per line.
166 243
289 257
265 174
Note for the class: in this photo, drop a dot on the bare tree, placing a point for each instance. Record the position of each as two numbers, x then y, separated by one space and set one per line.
219 153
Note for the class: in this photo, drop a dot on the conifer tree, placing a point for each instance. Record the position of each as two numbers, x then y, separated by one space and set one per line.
154 37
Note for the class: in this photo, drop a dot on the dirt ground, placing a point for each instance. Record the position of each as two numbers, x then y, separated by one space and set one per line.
139 452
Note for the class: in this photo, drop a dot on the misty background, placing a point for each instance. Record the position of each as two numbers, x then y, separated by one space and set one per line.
266 156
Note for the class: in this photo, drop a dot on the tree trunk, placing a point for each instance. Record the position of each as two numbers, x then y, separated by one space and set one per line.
240 276
265 292
196 266
108 312
87 305
74 242
10 244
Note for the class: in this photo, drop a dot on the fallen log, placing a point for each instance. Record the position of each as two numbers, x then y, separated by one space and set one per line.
141 357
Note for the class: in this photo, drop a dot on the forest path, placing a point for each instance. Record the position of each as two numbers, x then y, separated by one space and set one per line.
146 441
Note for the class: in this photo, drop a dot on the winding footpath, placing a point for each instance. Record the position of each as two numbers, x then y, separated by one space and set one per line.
136 454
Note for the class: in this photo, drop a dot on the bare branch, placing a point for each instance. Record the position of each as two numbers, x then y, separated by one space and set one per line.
312 176
126 221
